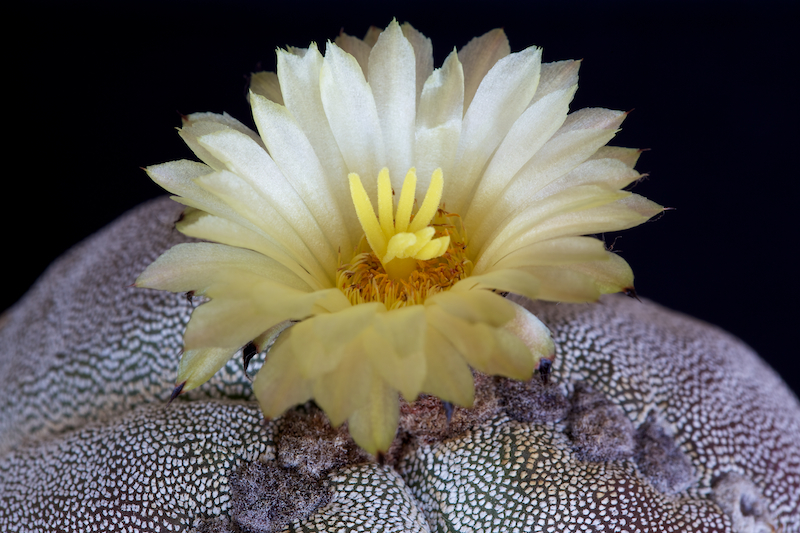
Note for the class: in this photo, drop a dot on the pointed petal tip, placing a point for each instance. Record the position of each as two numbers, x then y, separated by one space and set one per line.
630 292
176 392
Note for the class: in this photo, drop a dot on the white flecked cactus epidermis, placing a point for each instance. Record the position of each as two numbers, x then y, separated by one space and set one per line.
86 440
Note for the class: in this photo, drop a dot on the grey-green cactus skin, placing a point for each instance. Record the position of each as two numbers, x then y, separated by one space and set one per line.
696 432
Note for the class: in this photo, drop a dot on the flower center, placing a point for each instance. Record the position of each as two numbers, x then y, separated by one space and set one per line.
409 257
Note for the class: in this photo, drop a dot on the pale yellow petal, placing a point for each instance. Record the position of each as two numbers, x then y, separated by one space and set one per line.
350 108
199 124
555 252
523 228
423 53
202 225
266 84
179 177
478 57
245 312
447 374
560 284
198 366
392 78
348 386
196 266
476 306
300 84
439 119
374 425
610 275
606 172
252 164
577 139
625 213
506 280
396 347
319 343
486 348
278 385
533 333
511 357
503 95
527 136
297 161
252 207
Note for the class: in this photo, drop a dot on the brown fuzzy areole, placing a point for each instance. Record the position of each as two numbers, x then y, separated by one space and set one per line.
660 459
266 497
311 445
533 401
599 430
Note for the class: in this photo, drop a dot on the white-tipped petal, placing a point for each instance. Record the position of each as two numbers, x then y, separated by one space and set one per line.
202 225
501 98
295 157
478 57
529 133
357 48
556 77
577 139
266 84
196 266
351 112
253 165
300 83
392 78
237 193
439 117
423 53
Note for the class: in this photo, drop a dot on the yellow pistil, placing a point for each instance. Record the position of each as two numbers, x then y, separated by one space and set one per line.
409 258
398 240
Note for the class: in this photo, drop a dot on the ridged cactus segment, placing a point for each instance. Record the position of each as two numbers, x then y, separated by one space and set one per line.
507 476
367 497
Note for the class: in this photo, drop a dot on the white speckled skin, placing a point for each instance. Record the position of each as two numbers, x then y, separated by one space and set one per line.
88 444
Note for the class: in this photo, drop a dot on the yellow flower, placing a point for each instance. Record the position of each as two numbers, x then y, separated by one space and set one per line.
384 205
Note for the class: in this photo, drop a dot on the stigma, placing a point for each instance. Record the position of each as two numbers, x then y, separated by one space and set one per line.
397 238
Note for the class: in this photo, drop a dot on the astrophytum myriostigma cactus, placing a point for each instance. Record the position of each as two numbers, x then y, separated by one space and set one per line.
620 438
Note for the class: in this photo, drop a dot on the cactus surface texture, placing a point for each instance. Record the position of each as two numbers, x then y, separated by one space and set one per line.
650 421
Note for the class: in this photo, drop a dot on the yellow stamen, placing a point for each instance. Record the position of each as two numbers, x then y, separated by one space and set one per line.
385 203
366 216
408 281
409 257
431 202
406 201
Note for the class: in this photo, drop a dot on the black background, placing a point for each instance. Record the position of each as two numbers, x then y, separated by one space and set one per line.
96 89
